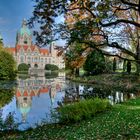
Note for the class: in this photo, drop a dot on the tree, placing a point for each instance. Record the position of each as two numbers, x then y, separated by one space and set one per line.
7 66
114 64
128 66
105 20
95 63
73 58
23 67
51 67
6 96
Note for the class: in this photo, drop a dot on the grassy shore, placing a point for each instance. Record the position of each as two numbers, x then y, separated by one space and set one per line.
128 82
122 122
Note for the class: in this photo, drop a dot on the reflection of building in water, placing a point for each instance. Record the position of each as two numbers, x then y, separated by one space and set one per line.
29 88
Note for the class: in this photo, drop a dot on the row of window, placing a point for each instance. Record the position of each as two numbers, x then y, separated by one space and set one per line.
29 59
30 53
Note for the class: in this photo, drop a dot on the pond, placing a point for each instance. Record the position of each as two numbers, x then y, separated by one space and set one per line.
32 100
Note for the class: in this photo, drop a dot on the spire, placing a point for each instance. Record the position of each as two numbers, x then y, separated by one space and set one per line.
24 23
24 35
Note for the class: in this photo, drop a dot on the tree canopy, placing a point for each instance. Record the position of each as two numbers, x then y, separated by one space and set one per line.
23 67
95 63
99 24
7 66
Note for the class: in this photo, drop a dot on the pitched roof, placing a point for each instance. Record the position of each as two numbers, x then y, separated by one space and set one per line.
44 51
11 50
33 47
25 47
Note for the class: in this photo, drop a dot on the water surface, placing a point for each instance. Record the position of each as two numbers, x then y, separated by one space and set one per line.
35 98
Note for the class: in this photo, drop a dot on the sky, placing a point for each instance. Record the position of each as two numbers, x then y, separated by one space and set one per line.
12 12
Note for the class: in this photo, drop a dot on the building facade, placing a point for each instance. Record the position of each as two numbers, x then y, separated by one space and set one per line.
26 52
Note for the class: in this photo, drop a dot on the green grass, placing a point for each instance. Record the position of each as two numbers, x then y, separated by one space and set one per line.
120 123
82 110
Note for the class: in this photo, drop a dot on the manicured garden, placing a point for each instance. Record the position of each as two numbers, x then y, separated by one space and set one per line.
121 122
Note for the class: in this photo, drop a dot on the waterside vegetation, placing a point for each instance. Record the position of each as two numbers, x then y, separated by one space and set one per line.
121 122
120 81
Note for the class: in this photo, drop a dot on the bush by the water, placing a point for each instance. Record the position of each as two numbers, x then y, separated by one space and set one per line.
23 67
84 109
51 67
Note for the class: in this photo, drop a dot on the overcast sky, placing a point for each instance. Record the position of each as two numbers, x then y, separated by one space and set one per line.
12 12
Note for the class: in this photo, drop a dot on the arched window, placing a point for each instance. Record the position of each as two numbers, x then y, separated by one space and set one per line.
25 40
35 59
41 59
21 59
36 66
28 59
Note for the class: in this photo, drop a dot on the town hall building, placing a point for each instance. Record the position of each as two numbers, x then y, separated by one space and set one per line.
26 52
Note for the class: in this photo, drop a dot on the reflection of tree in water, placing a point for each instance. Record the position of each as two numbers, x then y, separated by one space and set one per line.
51 75
114 95
75 92
71 93
6 96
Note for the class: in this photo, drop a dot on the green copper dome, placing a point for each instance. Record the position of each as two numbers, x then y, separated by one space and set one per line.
24 29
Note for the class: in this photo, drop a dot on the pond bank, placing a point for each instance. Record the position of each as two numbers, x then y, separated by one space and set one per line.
129 82
122 122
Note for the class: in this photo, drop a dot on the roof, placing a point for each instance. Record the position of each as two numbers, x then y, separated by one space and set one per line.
11 50
32 47
44 51
32 93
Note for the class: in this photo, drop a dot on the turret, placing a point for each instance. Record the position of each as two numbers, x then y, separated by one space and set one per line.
24 36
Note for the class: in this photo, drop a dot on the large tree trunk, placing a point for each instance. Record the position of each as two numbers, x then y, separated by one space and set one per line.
138 58
76 71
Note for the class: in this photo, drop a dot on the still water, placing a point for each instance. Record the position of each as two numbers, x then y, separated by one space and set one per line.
36 97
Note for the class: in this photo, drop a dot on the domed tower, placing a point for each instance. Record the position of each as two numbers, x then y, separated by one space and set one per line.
24 36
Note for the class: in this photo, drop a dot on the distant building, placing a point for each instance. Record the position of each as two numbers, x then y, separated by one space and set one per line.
35 57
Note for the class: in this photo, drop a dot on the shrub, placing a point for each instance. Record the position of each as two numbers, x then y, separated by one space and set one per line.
23 67
51 67
95 63
84 109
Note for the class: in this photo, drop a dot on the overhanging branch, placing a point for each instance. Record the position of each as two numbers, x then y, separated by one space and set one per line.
118 22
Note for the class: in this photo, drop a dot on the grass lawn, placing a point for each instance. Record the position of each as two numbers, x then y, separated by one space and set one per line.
122 122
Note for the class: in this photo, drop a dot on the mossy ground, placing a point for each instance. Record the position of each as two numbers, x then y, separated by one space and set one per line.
122 123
